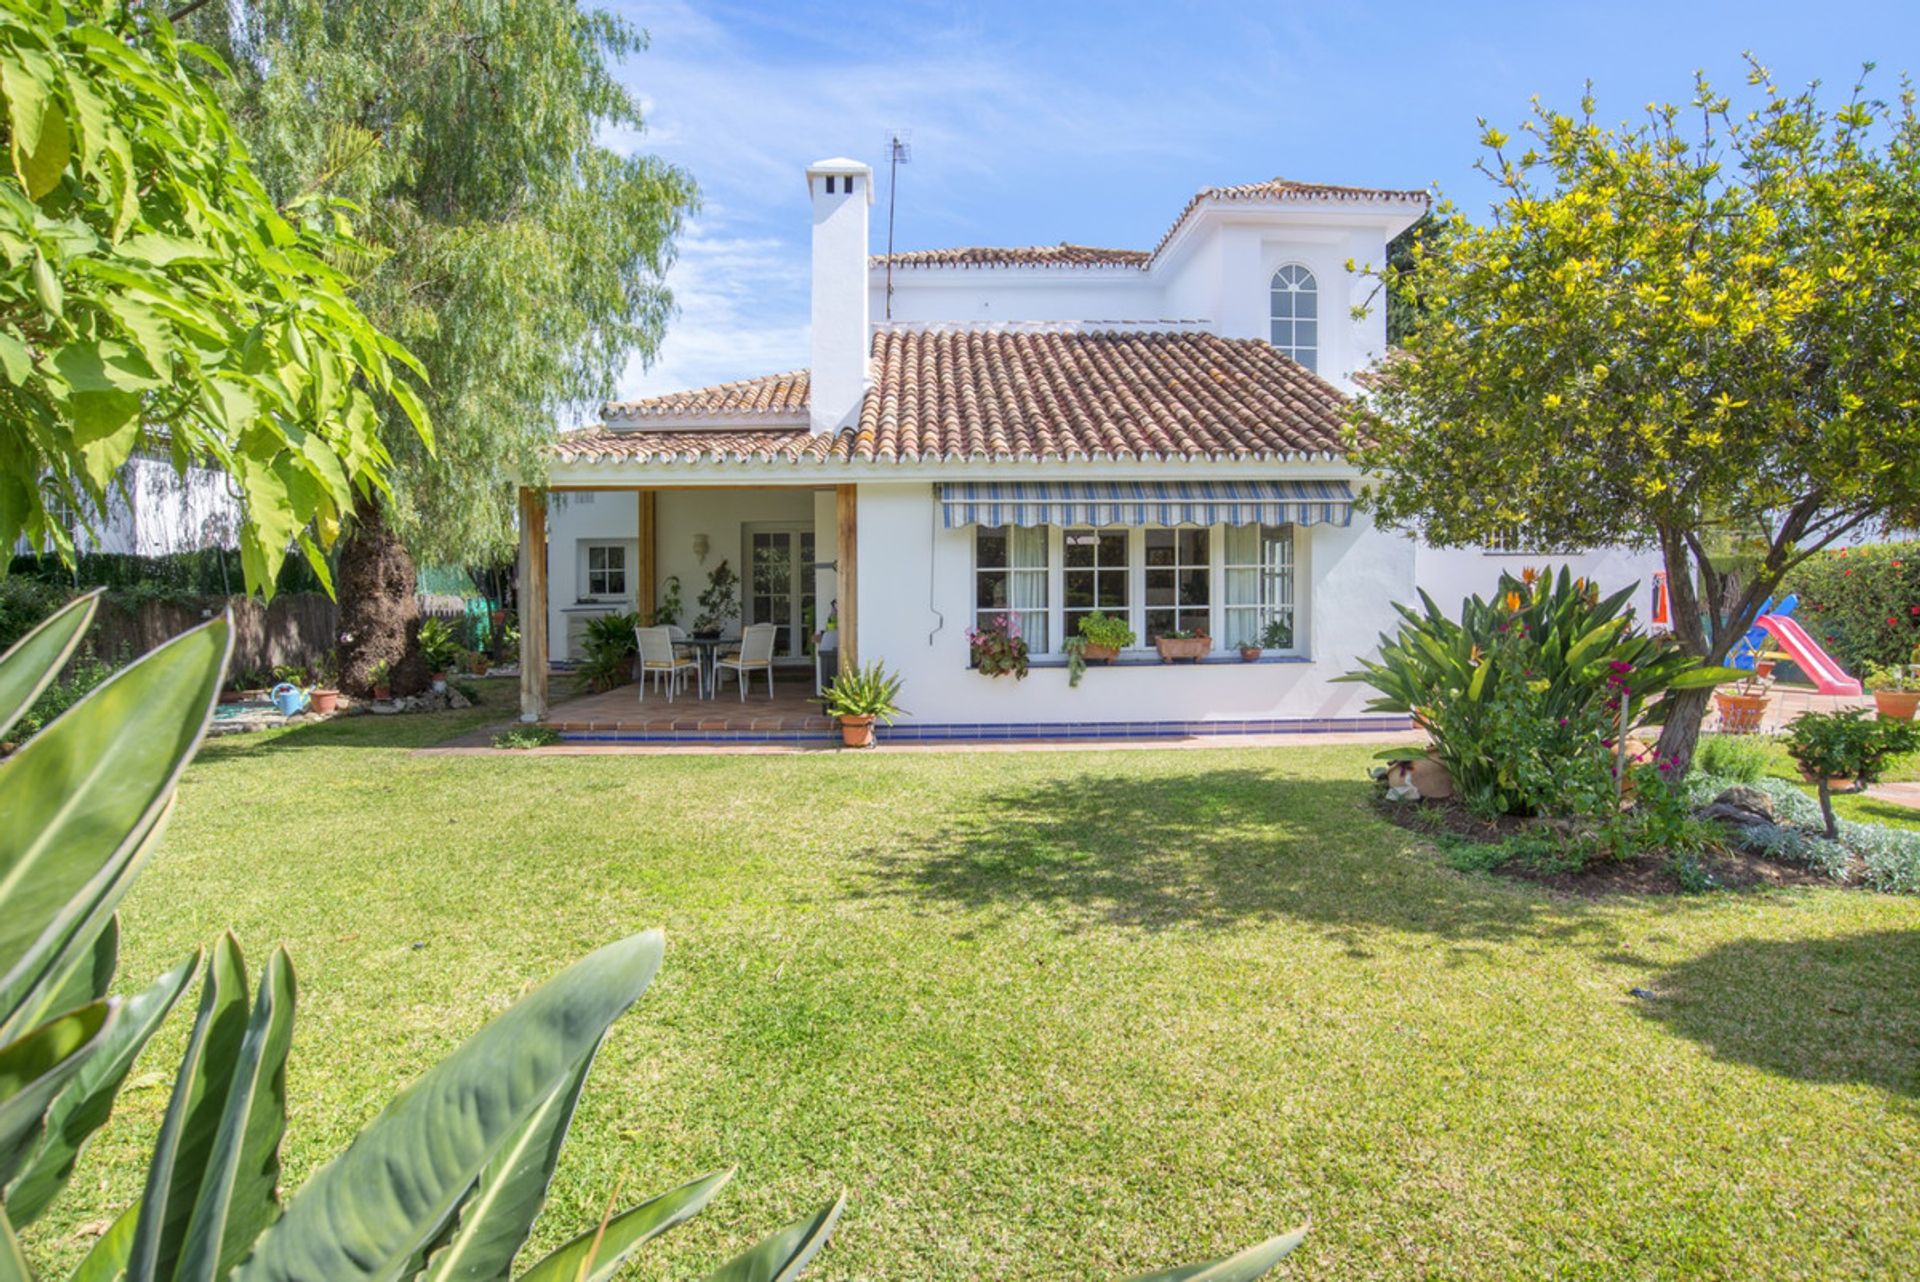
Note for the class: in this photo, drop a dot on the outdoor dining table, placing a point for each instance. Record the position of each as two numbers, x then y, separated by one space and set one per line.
706 653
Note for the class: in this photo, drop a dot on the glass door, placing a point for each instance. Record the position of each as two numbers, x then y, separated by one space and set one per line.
780 587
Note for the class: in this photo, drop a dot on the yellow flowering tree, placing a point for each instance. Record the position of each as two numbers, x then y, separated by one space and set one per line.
1667 330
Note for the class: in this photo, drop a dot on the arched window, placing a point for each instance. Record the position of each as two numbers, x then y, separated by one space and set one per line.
1296 314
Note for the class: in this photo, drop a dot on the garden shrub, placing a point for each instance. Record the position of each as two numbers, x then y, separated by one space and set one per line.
23 603
1525 695
1847 744
1863 603
1741 757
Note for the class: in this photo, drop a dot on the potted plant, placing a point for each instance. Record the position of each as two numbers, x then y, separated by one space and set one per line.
439 649
1743 706
380 676
719 602
1277 635
860 697
1896 689
477 662
1106 635
667 613
997 648
1191 645
325 695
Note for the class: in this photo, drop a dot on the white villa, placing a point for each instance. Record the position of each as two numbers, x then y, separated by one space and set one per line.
1034 432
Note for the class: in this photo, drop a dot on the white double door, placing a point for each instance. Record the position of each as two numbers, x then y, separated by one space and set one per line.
779 584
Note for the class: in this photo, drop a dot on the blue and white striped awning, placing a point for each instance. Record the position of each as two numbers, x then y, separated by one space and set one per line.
1146 503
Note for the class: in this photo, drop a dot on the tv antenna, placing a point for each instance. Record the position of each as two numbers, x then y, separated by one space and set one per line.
899 152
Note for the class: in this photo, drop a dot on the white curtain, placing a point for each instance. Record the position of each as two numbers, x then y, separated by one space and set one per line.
1027 588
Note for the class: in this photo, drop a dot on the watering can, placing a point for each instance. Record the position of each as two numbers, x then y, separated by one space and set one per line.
288 697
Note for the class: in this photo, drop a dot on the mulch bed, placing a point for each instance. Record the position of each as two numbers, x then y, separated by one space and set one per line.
1647 874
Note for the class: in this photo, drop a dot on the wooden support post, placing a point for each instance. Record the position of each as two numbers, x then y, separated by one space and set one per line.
533 605
646 585
847 579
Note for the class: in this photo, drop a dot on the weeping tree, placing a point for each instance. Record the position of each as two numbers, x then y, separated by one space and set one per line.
1672 333
517 243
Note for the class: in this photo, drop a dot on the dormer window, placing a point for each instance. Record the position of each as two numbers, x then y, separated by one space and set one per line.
1296 314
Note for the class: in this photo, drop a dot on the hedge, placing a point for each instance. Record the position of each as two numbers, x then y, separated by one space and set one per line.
1863 603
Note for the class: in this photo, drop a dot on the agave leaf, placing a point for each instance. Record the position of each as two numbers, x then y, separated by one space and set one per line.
597 1254
365 1213
82 794
495 1221
1699 678
177 1169
237 1194
107 1260
83 1107
13 1261
36 658
41 995
83 973
34 1068
1249 1264
781 1256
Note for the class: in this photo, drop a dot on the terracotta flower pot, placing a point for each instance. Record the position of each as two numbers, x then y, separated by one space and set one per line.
324 701
1763 668
856 732
1248 653
383 693
1897 705
478 666
1741 713
1100 653
439 680
1174 649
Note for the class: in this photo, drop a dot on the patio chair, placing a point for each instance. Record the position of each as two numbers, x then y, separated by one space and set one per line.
755 655
657 658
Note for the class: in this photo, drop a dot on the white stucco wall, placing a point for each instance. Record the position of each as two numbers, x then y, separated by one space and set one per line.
1348 578
1451 575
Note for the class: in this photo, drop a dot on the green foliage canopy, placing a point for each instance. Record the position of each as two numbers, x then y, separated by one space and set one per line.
153 296
1696 322
520 242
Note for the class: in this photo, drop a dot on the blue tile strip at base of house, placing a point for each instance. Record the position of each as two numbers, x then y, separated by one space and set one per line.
1003 733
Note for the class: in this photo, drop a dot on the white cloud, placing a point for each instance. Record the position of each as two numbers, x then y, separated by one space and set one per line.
982 118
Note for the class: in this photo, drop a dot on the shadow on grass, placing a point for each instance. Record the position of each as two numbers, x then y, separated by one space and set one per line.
1205 850
1818 1010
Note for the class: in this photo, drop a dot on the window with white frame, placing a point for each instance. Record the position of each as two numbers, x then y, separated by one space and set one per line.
606 569
1010 578
1259 586
1178 581
1094 575
1295 304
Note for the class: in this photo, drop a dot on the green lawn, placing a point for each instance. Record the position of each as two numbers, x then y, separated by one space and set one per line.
1064 1014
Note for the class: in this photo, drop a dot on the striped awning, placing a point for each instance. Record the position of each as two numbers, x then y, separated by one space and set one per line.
1146 503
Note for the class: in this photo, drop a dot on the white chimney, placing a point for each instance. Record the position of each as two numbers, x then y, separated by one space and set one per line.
840 190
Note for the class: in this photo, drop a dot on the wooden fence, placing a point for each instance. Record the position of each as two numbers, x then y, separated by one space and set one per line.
298 627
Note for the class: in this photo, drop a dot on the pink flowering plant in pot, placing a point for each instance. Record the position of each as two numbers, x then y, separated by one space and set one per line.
997 648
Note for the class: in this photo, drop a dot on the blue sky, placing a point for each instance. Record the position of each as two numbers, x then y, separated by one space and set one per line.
1038 122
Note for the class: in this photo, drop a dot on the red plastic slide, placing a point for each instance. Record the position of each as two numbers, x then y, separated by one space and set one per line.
1828 676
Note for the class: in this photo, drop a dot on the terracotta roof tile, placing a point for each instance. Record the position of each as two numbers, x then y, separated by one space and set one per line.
1045 394
1061 255
1042 393
711 445
770 394
1283 190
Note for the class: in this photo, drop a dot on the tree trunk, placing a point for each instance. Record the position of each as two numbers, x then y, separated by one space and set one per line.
1680 734
379 607
1826 808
